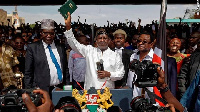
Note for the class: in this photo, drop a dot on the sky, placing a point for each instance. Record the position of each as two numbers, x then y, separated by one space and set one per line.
100 14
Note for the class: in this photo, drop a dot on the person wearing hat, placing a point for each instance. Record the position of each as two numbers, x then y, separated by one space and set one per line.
45 61
109 63
119 40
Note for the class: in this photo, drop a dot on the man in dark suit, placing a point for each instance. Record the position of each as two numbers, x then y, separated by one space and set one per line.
45 61
189 70
119 40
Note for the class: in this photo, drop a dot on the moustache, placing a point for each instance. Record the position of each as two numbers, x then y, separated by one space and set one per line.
102 42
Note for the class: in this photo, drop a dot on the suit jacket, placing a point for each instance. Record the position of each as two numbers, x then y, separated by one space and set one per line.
126 54
172 74
37 72
188 71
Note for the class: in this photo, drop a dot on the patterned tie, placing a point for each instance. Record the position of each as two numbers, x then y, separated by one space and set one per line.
59 71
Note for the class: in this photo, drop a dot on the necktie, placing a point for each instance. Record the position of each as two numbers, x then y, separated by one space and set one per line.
59 71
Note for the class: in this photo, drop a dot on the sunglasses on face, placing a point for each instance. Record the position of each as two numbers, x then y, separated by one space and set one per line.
48 33
143 42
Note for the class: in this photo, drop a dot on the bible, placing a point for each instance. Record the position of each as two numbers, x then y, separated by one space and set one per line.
68 6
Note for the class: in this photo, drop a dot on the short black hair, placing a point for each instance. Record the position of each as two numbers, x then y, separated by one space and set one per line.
195 32
18 37
152 37
78 38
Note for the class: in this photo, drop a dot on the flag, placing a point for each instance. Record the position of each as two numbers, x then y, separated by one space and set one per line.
160 51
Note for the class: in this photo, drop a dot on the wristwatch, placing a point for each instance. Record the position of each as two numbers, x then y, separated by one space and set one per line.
164 88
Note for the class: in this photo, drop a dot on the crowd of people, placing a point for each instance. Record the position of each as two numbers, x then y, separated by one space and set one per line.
53 55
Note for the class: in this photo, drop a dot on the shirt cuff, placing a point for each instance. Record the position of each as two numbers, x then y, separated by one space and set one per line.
111 75
68 33
185 109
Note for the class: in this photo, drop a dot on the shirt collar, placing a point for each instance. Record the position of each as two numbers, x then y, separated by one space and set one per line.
45 45
99 50
119 48
150 54
194 47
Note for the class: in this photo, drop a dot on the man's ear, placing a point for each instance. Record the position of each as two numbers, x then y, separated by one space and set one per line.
41 35
154 42
109 39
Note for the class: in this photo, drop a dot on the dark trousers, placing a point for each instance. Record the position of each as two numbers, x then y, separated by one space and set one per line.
1 85
75 85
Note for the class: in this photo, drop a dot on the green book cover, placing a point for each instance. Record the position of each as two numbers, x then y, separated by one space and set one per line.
68 6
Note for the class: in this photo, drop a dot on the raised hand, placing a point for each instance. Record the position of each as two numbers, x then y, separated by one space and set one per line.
68 21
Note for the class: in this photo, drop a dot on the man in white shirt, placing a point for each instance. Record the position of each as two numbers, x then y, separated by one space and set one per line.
144 44
112 63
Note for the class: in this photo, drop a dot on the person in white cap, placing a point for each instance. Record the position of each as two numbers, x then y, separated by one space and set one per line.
45 61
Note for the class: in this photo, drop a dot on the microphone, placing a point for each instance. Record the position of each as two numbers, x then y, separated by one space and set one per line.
100 65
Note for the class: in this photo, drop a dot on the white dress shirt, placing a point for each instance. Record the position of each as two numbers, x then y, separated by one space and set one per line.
53 71
111 61
119 51
132 75
194 47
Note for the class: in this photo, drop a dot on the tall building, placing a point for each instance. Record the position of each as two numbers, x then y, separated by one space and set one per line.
14 19
3 17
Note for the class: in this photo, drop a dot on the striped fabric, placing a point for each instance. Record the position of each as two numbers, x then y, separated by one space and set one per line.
160 54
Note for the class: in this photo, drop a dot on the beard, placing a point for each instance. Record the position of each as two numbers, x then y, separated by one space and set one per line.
102 46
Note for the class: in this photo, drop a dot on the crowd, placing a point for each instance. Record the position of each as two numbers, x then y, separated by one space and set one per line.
52 55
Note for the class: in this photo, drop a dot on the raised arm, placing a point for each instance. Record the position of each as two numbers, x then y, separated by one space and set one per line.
74 44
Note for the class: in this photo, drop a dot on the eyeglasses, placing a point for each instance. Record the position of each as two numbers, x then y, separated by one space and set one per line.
48 33
143 42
